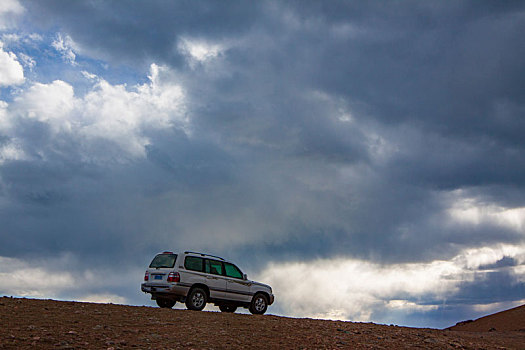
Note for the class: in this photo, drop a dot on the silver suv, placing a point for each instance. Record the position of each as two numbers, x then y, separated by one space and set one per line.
196 279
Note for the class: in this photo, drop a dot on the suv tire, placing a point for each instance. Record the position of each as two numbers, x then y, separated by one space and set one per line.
227 308
196 299
165 303
259 304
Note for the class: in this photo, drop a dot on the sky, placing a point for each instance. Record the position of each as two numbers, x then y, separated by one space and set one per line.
365 159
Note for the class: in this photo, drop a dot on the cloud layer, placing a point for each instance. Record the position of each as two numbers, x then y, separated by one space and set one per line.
358 290
365 140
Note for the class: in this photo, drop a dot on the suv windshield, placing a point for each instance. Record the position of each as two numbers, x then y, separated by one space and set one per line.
163 260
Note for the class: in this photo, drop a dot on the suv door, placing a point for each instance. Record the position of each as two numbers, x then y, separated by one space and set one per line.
237 287
214 278
193 271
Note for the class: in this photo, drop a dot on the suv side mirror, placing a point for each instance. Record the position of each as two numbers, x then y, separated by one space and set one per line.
244 276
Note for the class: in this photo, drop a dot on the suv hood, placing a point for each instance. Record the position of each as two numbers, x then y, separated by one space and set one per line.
261 284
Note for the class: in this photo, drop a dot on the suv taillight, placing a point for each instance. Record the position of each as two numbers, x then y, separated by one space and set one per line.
173 277
146 276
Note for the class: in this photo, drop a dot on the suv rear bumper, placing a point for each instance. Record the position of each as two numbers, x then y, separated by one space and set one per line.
154 288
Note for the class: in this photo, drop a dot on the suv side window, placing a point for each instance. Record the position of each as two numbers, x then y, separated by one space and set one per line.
232 270
214 267
193 263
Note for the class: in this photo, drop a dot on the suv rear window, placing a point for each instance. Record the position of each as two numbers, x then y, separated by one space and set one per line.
163 260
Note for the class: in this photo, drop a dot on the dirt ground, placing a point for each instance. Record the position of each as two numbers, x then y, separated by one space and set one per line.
49 324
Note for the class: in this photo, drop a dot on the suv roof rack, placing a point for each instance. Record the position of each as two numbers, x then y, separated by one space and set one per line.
203 254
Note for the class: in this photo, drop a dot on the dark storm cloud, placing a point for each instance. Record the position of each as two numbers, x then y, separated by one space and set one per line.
443 64
449 162
393 69
450 71
92 208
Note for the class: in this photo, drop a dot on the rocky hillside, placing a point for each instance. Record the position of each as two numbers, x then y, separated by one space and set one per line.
508 320
49 324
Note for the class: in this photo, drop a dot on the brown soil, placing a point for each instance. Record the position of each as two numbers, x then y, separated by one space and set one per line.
44 324
508 320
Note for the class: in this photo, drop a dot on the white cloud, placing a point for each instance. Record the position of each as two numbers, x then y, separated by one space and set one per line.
352 289
65 46
409 306
27 61
51 103
9 11
473 258
11 71
107 112
198 51
17 38
8 38
114 113
11 151
474 211
89 76
21 279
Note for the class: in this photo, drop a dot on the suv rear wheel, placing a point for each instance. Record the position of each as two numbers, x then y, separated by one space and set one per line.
165 303
227 308
196 299
259 304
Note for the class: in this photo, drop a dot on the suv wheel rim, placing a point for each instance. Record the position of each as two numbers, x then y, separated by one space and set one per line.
197 299
259 304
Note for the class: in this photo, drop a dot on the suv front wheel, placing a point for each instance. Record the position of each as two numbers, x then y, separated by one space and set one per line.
259 304
196 299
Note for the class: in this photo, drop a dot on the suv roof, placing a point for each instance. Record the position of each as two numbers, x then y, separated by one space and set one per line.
202 254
